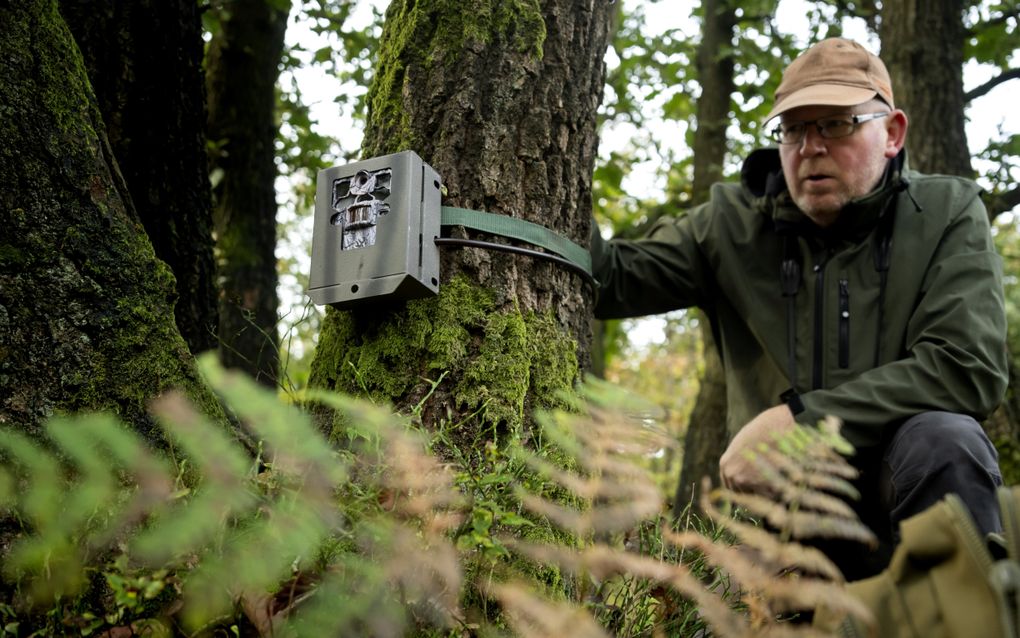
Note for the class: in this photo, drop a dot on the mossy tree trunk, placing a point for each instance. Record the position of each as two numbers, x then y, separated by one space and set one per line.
501 99
706 435
86 308
243 62
144 60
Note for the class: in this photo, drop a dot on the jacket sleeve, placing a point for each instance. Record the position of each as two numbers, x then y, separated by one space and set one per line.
955 342
665 270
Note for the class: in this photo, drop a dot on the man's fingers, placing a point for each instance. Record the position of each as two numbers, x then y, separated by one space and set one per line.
739 475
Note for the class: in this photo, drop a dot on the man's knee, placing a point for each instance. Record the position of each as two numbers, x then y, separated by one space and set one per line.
936 453
930 441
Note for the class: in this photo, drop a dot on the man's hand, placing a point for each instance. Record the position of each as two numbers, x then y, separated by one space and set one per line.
736 471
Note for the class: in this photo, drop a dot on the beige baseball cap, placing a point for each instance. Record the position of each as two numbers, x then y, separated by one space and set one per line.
833 72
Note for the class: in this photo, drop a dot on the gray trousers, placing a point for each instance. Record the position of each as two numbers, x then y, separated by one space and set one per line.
923 459
933 454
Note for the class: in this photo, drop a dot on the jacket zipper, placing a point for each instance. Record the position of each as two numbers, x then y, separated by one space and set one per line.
844 323
816 373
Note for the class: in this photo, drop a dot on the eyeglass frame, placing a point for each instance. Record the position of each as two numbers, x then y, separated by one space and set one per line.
855 120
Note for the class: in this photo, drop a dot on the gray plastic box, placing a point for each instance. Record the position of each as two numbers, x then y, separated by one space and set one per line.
374 233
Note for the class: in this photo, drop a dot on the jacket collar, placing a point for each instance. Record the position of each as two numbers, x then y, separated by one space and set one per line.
762 179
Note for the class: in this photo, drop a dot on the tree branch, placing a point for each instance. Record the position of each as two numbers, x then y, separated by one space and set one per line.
979 91
1002 202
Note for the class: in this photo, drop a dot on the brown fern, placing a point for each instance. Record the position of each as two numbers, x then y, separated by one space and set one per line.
607 445
601 562
534 617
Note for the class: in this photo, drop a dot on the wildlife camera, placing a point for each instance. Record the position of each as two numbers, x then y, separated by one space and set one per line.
374 232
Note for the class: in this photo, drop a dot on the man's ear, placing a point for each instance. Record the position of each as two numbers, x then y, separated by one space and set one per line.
896 128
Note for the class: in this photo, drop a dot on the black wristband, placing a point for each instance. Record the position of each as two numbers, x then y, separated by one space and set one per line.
792 399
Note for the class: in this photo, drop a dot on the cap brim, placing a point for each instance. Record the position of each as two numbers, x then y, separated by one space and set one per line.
822 95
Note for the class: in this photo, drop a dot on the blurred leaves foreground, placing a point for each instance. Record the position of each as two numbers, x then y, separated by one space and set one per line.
102 533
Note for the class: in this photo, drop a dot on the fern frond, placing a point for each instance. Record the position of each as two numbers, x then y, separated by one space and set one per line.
406 567
532 616
779 555
295 445
105 460
777 592
816 474
397 577
774 572
289 529
47 551
249 528
184 526
42 475
800 523
602 562
607 446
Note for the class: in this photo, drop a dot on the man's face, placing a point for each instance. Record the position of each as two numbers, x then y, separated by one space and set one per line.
824 175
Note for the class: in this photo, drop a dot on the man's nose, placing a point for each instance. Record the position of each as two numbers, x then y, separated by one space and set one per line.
813 142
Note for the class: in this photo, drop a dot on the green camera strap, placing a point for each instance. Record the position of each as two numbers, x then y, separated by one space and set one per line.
518 229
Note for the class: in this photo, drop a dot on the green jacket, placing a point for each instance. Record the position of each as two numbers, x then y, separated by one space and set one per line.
931 337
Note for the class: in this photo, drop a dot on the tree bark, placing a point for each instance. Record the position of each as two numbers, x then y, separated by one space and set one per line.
243 63
144 61
86 308
706 436
501 100
922 45
715 75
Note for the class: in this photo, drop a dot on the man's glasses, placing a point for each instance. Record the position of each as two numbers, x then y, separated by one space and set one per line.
831 127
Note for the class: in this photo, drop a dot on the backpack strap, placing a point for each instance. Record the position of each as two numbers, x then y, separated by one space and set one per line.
1005 574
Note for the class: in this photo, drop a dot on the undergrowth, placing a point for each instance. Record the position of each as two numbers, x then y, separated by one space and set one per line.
375 535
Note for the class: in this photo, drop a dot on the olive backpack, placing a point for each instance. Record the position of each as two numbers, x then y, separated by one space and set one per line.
945 580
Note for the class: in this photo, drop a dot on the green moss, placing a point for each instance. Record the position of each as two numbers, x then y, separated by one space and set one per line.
516 21
144 357
335 335
554 356
83 269
142 354
376 354
12 258
385 95
498 378
501 362
523 22
462 308
63 78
